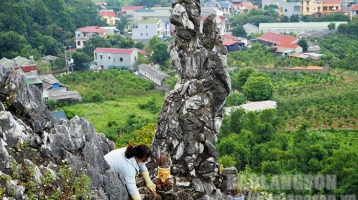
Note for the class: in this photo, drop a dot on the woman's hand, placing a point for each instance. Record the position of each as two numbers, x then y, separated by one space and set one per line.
148 182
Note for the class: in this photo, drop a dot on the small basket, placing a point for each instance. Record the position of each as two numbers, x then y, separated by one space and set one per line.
163 173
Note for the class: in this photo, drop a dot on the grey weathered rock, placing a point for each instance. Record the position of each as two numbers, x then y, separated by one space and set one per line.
30 140
229 178
191 116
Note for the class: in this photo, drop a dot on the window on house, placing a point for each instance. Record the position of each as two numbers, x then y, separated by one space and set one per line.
121 59
141 34
146 26
296 9
109 57
308 9
100 57
324 8
78 35
78 43
147 34
135 57
285 10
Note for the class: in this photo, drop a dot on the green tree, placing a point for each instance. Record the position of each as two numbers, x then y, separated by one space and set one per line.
160 54
295 18
236 121
239 31
258 88
11 43
284 18
303 43
79 59
331 26
241 77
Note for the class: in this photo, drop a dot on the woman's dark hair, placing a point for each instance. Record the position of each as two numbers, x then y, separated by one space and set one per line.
141 151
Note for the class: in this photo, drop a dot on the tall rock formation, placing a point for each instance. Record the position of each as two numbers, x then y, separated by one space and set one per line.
39 157
191 116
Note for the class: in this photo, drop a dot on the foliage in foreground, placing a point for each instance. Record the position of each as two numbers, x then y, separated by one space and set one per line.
42 182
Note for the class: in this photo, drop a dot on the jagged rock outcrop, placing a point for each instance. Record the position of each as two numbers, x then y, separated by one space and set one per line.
191 116
38 157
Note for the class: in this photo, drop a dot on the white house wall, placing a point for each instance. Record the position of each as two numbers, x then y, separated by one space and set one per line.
108 59
145 31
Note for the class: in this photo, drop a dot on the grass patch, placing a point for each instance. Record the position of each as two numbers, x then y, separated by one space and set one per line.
99 114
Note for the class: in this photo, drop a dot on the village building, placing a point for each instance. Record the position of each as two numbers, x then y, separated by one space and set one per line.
54 90
108 58
109 16
290 8
251 29
85 33
353 10
299 27
146 29
153 74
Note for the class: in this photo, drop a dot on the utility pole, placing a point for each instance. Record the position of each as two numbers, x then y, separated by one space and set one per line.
66 60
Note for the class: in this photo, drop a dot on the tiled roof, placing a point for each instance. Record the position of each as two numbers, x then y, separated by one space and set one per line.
230 42
133 8
248 5
354 7
113 50
331 2
92 29
109 13
277 38
227 36
145 21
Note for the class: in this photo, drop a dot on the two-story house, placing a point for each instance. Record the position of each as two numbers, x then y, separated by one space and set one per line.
109 16
108 58
146 29
225 6
321 7
310 7
290 8
244 6
129 10
85 33
354 10
331 6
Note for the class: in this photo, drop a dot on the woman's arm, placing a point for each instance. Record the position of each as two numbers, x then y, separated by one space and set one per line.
142 167
129 178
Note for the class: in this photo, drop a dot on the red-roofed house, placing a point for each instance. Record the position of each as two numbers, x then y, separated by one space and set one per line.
108 58
273 39
108 15
128 10
233 45
354 10
330 6
244 6
85 33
